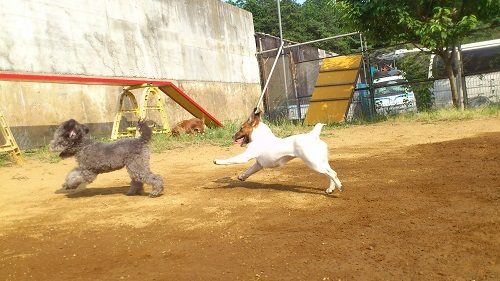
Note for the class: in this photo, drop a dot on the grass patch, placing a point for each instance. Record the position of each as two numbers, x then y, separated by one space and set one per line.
6 159
448 114
216 136
282 128
41 154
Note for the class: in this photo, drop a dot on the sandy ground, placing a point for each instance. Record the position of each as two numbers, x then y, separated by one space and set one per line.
420 202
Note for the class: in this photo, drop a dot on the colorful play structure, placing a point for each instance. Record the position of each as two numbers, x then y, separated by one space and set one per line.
151 90
10 144
329 103
334 89
149 93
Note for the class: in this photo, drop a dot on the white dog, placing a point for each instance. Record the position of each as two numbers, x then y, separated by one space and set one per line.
271 151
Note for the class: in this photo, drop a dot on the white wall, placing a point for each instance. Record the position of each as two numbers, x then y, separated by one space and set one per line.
206 47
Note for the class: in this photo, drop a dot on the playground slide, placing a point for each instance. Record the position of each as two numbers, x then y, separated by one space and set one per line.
165 86
190 105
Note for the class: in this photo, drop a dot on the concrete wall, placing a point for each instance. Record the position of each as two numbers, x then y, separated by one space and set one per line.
206 47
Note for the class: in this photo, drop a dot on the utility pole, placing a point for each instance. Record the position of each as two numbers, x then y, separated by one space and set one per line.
283 56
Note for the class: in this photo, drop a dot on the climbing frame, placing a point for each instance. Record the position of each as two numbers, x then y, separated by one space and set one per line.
10 144
165 86
115 133
149 93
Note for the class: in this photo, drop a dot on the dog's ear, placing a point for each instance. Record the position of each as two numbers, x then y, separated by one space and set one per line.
254 118
255 113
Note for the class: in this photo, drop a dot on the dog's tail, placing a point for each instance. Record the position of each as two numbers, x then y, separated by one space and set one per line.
317 130
146 131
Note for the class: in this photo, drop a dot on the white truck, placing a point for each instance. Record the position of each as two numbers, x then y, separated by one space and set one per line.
393 95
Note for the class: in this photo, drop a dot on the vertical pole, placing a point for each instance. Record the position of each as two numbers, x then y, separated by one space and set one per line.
267 108
282 55
295 84
363 56
367 74
463 85
458 55
370 82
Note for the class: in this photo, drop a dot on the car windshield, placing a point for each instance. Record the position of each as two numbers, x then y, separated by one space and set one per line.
391 88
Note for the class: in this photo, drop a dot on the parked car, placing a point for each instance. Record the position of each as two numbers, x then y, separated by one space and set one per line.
393 95
294 115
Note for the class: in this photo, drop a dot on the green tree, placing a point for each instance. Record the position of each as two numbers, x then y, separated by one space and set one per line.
416 66
322 22
300 23
435 25
265 17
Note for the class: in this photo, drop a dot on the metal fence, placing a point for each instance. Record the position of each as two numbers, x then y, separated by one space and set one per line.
292 81
482 89
291 84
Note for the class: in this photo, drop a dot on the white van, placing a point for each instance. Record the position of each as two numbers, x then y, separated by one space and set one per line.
481 70
393 95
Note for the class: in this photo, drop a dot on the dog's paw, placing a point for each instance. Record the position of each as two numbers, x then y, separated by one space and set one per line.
133 192
155 193
66 187
242 177
217 162
79 186
330 190
62 191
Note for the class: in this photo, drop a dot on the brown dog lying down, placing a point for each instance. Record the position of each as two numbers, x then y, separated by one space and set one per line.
189 126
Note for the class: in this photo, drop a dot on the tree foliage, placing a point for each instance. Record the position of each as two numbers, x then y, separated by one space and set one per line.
436 25
432 25
314 19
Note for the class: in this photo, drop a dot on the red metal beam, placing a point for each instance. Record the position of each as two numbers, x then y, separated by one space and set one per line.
78 79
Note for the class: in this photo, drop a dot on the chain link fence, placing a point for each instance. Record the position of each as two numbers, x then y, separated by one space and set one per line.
391 80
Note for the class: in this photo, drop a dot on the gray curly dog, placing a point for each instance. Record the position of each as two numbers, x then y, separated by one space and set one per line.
96 157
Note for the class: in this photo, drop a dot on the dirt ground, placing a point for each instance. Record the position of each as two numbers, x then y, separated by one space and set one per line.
420 202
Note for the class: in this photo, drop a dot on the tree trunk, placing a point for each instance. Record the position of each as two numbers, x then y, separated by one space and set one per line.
447 58
453 83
